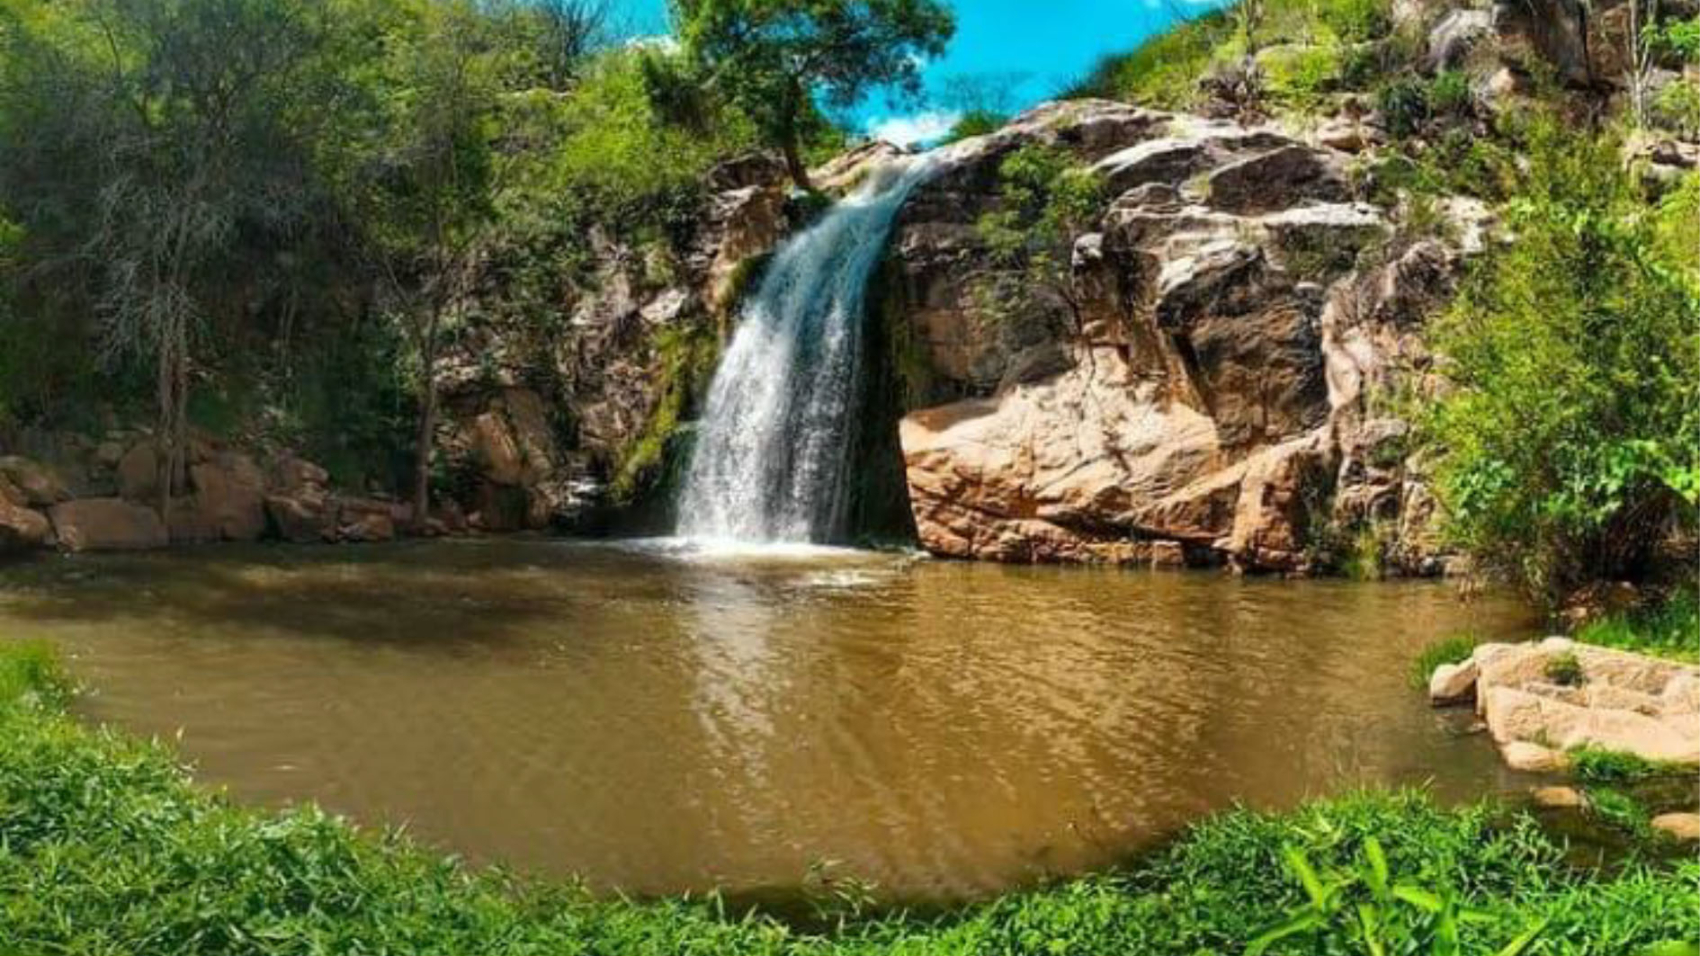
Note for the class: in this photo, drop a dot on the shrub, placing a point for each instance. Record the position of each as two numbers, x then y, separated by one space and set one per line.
1564 437
1565 670
1404 105
1449 94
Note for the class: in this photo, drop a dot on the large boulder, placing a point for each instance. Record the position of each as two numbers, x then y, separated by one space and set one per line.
226 501
1175 399
37 484
107 524
21 528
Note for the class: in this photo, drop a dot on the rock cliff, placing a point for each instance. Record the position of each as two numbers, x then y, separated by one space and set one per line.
1205 391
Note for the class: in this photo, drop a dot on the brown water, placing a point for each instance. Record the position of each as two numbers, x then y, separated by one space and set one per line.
660 723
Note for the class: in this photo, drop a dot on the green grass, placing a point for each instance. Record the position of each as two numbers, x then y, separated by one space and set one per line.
1565 670
1598 765
1447 650
1670 629
106 848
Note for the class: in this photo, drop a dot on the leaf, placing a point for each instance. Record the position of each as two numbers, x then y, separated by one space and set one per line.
1368 918
1521 943
1300 865
1420 898
1292 926
1378 873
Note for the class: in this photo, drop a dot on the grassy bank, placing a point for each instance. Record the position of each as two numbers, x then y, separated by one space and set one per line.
105 847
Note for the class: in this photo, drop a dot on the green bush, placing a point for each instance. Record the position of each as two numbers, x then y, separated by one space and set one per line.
1404 105
1564 437
1601 766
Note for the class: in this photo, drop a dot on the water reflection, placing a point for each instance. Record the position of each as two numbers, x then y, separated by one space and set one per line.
661 720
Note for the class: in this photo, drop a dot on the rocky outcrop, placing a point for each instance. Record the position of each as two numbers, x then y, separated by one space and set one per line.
1202 388
1543 699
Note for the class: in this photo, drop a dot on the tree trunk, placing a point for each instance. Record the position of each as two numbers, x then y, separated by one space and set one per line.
792 146
425 441
794 161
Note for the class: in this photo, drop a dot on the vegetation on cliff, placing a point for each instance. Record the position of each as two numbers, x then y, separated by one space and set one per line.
110 849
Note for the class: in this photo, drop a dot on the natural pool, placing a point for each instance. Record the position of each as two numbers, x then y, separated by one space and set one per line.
658 719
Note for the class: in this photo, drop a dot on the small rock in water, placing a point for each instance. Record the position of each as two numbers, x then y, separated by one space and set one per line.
1534 758
1558 797
1682 826
1453 682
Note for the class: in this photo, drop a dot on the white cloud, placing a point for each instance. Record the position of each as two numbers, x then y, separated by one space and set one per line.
909 130
660 42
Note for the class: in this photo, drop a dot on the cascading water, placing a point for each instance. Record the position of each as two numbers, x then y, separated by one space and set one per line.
772 451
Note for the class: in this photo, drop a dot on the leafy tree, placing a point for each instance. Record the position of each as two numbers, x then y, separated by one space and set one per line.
145 136
774 56
421 179
1566 435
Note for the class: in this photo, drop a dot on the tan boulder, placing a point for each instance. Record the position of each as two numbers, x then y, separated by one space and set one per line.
1451 683
1559 798
1532 758
39 485
1679 826
1053 472
227 501
107 524
21 528
302 518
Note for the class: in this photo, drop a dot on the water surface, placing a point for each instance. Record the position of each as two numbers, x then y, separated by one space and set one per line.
661 722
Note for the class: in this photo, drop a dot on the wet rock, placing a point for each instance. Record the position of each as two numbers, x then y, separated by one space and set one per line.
107 524
1451 683
1679 826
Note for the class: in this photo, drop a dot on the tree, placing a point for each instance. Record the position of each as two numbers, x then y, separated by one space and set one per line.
983 101
167 121
774 56
421 179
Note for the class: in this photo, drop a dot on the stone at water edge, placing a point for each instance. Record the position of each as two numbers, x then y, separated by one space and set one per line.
1533 758
1680 826
1559 798
1452 683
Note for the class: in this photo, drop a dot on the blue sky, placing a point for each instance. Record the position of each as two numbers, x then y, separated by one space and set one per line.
1050 41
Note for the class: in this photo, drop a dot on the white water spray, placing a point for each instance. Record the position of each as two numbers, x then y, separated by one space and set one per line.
771 460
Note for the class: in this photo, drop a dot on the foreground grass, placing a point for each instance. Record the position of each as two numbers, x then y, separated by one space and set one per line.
106 848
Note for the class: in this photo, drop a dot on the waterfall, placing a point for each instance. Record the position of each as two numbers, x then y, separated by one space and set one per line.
771 459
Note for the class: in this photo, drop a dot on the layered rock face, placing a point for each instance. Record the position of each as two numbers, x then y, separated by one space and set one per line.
1204 388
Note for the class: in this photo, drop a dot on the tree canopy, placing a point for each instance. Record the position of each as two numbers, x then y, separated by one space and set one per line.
774 56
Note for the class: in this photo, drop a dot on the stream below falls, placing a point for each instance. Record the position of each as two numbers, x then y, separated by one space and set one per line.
659 719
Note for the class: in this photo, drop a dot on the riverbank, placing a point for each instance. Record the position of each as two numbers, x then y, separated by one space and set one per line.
110 848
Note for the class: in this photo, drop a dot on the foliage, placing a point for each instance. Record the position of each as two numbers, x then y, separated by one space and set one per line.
1598 765
1323 43
685 359
1670 628
1621 811
773 57
1448 650
1045 201
1375 912
1565 437
110 850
